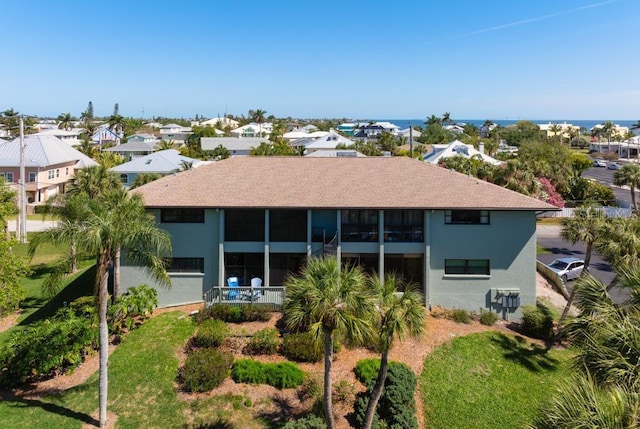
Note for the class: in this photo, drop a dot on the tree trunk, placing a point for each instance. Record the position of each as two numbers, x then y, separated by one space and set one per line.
633 199
328 361
74 256
376 393
103 339
116 274
565 312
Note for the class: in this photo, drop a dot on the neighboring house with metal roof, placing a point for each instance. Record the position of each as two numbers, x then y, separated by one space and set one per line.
70 137
104 135
237 146
217 121
334 153
163 162
175 132
134 149
253 130
457 148
325 141
467 243
50 165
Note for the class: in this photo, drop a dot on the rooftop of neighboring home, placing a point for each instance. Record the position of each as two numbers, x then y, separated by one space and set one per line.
41 151
69 136
134 146
457 148
242 144
342 182
163 162
335 153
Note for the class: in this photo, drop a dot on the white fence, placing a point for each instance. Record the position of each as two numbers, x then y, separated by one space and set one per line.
611 212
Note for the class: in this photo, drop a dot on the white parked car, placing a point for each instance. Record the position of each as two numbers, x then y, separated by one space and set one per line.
599 163
567 268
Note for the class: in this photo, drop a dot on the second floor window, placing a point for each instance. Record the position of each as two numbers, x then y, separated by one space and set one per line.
359 225
403 225
473 217
182 215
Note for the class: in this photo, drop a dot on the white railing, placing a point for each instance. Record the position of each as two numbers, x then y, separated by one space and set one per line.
611 212
240 295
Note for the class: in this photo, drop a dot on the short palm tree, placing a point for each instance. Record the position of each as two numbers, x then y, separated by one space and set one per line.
93 181
65 121
258 116
621 245
629 175
396 316
327 299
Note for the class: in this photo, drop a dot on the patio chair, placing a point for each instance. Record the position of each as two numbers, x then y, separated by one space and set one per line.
256 284
233 294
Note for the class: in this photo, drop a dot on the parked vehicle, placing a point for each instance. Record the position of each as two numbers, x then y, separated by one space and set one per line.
567 268
614 165
599 162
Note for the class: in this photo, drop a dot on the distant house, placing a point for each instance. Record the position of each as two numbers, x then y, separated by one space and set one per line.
563 131
142 138
337 153
50 165
374 130
454 128
175 132
133 149
330 141
104 135
457 148
237 146
406 132
69 137
217 121
253 130
162 162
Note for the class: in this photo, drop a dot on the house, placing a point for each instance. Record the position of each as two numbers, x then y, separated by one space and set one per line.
237 146
133 149
104 135
175 132
454 128
50 165
457 148
70 137
338 153
467 243
329 141
253 130
409 132
163 162
564 130
143 138
218 121
374 130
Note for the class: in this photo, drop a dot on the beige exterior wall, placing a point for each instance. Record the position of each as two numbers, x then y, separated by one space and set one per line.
48 181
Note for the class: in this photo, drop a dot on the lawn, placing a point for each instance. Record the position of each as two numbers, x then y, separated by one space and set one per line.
489 380
142 372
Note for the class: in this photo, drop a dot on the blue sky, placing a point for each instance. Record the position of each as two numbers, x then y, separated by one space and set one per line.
477 59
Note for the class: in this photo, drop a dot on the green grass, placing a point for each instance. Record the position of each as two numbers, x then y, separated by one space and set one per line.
142 372
489 380
541 250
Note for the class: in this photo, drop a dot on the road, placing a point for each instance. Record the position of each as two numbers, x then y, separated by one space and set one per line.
549 237
605 176
33 225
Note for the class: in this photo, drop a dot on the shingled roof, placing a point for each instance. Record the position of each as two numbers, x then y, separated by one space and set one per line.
300 182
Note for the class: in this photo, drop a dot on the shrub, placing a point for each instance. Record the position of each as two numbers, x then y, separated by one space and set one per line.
14 269
460 316
263 342
205 369
211 333
281 375
367 369
310 421
488 318
299 347
47 348
216 312
537 321
234 315
343 391
85 306
256 312
309 389
132 308
396 407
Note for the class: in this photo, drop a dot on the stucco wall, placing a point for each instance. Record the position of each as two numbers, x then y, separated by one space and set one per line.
508 242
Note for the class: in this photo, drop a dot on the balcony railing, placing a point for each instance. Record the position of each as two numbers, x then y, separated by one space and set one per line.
272 296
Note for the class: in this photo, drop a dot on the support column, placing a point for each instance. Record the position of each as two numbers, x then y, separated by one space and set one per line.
221 276
339 236
310 234
427 256
381 243
266 249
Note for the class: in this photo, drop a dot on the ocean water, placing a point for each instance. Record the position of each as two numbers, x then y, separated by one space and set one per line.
588 124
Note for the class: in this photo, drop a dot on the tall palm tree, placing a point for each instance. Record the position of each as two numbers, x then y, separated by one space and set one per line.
556 129
622 243
117 123
432 120
65 121
116 220
446 118
165 144
396 316
586 225
94 181
258 116
629 175
327 299
607 130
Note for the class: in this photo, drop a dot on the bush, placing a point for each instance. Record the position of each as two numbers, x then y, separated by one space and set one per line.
281 375
396 407
460 316
215 312
367 370
211 333
132 308
488 318
343 391
205 369
299 347
47 348
537 321
307 422
309 389
235 314
256 313
263 342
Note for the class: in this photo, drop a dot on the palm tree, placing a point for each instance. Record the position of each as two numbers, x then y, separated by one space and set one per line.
258 116
397 315
165 144
586 225
94 181
8 206
65 121
117 123
327 299
143 179
556 129
629 175
607 129
432 120
622 243
446 118
116 220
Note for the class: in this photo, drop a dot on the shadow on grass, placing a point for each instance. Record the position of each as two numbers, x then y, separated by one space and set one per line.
283 412
48 407
82 285
220 424
532 356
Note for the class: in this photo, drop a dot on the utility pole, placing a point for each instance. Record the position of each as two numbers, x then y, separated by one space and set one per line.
410 141
22 231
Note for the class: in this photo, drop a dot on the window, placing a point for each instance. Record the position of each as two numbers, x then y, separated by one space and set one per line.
359 225
32 177
52 174
466 217
182 215
57 172
185 265
10 177
244 225
403 225
66 171
124 178
288 225
467 266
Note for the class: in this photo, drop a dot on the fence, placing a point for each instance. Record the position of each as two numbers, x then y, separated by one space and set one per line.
272 296
611 212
